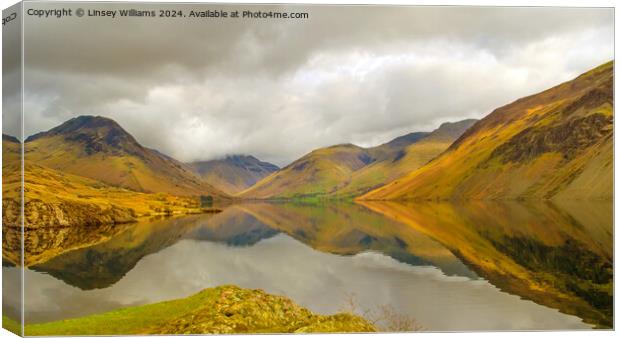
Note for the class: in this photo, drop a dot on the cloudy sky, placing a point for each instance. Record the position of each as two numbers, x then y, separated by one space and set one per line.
199 89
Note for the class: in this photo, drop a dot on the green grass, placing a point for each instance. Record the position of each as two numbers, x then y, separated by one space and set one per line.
130 320
225 309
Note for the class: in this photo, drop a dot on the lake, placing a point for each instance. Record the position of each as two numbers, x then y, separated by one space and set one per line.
475 266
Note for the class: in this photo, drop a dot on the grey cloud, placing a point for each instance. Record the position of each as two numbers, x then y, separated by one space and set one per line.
137 45
199 89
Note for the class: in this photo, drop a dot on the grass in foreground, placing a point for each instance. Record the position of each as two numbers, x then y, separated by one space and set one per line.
224 309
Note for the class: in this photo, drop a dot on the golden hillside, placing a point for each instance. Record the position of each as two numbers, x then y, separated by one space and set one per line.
405 160
345 171
320 172
98 148
68 203
557 144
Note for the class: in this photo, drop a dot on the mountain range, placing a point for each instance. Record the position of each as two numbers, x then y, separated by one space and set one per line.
85 179
348 170
233 173
557 144
99 149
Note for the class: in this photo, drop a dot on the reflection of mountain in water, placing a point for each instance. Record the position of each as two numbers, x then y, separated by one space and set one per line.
233 228
104 264
343 229
349 229
560 257
41 244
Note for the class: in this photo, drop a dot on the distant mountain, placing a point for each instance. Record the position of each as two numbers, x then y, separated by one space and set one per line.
317 173
233 174
99 148
347 170
557 144
405 158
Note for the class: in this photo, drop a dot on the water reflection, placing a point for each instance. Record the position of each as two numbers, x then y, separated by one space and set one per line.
104 264
424 260
11 231
559 255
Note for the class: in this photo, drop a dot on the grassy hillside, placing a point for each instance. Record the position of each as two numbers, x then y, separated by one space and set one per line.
233 174
62 201
345 171
555 144
67 203
53 187
10 149
98 148
321 172
404 160
225 309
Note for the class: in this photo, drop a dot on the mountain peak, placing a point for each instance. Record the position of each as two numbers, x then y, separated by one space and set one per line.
99 148
233 173
451 130
249 161
457 124
403 141
97 133
90 121
80 124
240 159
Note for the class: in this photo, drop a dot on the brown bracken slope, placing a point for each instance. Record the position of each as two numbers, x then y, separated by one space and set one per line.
98 148
557 144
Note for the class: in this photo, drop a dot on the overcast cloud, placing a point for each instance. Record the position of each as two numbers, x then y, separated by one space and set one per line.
199 89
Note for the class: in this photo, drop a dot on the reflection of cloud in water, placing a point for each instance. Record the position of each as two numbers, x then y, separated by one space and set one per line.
11 292
313 279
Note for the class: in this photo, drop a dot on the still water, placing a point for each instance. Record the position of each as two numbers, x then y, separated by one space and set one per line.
451 267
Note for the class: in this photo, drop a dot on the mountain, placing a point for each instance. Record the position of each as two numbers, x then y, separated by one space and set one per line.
233 174
347 170
100 149
557 144
404 159
76 209
317 173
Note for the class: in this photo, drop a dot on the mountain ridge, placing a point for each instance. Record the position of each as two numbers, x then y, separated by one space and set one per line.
347 170
233 173
99 148
554 144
